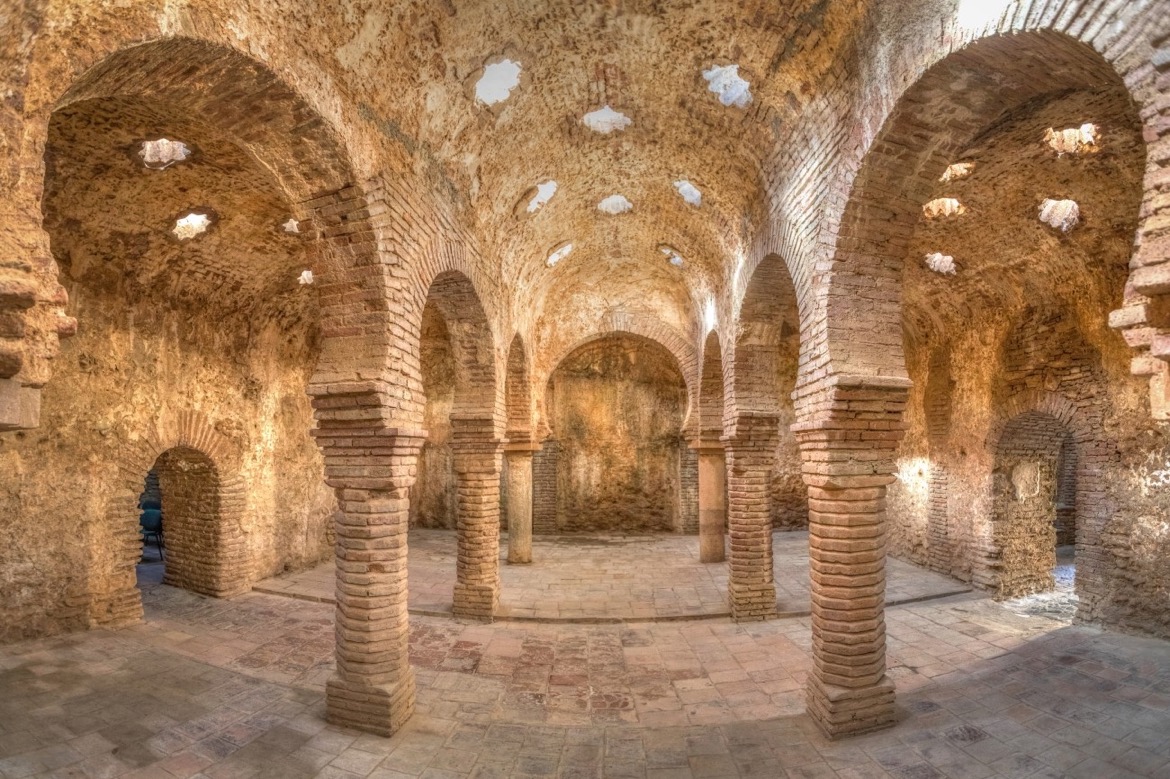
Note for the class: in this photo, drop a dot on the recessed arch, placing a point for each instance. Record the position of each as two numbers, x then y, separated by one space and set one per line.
518 391
711 392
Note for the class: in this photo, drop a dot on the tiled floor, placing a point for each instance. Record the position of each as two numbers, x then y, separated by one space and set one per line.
606 577
222 689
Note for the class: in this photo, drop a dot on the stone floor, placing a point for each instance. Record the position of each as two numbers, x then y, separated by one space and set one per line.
605 577
234 689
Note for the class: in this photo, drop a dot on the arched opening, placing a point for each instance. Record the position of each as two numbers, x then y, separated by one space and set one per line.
458 483
186 286
767 355
711 389
616 408
1032 469
183 487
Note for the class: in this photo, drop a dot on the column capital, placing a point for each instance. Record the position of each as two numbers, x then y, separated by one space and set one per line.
707 445
521 447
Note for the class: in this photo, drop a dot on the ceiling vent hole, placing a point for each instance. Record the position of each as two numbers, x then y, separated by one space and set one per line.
163 153
1062 215
605 120
191 225
497 82
959 170
725 81
941 263
615 204
1074 140
559 252
544 193
689 192
942 207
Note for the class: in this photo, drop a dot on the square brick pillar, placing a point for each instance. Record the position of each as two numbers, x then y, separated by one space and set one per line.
477 477
712 500
751 456
518 460
372 470
848 459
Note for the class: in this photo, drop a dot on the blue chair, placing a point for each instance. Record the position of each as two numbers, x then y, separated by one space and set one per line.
151 523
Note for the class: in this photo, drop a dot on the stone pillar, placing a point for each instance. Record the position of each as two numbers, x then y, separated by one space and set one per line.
848 461
751 455
712 500
372 469
477 479
518 455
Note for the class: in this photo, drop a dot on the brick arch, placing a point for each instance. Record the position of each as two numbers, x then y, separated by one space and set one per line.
309 164
1038 422
862 325
711 388
766 337
215 556
473 343
518 391
651 329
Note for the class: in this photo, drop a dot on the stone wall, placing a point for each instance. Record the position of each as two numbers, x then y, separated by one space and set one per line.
616 410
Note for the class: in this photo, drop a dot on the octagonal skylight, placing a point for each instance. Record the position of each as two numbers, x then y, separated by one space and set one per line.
605 120
544 192
689 192
559 252
725 81
163 153
497 82
1063 215
615 204
191 225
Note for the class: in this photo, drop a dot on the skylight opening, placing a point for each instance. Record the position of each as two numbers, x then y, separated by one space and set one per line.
291 226
544 192
725 81
1062 215
1073 140
615 204
689 192
559 252
163 153
671 254
497 82
191 225
941 263
959 170
943 207
306 277
605 120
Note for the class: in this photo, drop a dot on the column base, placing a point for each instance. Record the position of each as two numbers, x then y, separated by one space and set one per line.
476 601
752 603
379 709
519 559
711 547
842 711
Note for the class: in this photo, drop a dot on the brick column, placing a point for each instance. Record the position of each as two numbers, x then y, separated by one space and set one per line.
848 459
751 454
518 455
477 478
712 500
372 469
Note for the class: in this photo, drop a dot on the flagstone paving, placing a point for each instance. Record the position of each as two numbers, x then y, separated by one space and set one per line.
600 577
234 690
